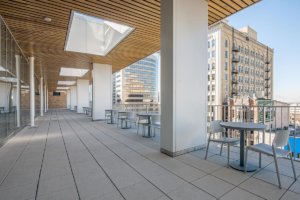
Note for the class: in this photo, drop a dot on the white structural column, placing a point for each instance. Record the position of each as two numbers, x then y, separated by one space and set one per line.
102 90
68 99
45 97
184 28
18 94
42 96
82 94
73 97
32 91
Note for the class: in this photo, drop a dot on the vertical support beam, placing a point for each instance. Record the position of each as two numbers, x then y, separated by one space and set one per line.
73 99
68 99
18 96
102 90
183 75
45 97
32 91
82 94
42 96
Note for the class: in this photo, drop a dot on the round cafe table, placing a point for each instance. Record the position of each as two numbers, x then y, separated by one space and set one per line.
243 127
148 115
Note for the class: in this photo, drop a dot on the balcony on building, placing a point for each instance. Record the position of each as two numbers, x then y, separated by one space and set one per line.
235 59
235 48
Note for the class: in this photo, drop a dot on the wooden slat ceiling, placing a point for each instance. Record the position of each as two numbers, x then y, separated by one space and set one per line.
45 40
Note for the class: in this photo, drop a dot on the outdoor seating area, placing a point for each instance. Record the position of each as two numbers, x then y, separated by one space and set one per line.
95 160
146 123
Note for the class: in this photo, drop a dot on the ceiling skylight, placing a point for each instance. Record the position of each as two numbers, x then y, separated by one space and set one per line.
66 82
72 72
92 35
62 88
2 69
9 79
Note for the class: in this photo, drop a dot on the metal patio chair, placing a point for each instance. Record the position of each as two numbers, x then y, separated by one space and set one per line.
280 140
216 128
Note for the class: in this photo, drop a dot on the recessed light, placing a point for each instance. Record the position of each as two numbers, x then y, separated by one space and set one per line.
72 72
62 88
66 82
47 19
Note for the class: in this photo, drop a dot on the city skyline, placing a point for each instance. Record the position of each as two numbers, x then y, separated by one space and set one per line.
272 21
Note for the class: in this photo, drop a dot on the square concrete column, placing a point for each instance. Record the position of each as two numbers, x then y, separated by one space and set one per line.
73 97
18 92
32 91
184 28
82 94
45 97
42 96
68 99
102 90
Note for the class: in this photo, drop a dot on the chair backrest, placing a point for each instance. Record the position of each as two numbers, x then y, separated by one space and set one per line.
281 138
155 119
215 127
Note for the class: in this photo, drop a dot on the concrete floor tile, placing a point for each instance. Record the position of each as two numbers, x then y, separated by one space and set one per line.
141 190
262 189
189 192
238 194
213 185
230 175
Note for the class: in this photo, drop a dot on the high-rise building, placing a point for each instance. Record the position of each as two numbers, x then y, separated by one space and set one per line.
238 64
138 83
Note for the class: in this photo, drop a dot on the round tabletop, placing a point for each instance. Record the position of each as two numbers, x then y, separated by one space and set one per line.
148 114
243 126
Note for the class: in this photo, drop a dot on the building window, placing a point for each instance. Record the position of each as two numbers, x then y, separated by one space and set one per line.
208 66
213 66
213 88
213 42
226 77
212 98
208 44
213 54
226 65
213 77
226 43
226 54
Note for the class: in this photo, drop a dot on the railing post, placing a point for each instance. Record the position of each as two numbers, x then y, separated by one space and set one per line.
295 133
264 121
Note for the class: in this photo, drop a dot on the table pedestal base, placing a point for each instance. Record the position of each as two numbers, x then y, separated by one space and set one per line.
236 165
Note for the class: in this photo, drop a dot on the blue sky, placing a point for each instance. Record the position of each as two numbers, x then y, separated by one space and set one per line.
277 23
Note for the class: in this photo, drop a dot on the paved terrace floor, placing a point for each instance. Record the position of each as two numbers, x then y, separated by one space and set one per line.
69 157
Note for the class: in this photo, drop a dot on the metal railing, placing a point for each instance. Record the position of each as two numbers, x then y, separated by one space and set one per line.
138 107
274 117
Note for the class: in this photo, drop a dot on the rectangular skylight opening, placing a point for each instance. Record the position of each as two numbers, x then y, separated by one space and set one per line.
72 72
62 88
93 35
66 82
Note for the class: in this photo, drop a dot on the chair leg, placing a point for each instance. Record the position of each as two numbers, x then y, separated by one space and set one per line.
221 149
228 154
207 149
291 157
137 130
277 171
246 160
